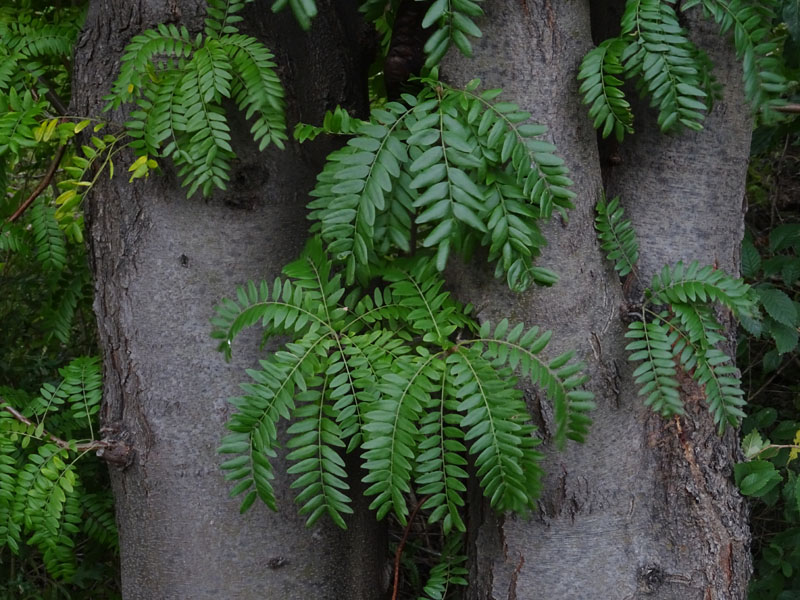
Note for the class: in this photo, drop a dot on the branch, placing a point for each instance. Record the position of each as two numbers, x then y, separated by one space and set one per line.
54 98
51 171
788 108
403 543
84 447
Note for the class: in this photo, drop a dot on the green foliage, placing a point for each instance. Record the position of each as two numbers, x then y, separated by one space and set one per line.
756 46
778 274
451 167
686 334
34 43
400 374
180 84
602 89
448 572
57 533
304 10
769 474
654 49
616 236
44 503
455 20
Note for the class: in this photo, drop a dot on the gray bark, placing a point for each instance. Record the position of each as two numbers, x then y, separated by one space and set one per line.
161 262
646 508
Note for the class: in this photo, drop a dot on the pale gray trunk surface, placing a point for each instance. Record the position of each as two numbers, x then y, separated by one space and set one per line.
647 507
161 262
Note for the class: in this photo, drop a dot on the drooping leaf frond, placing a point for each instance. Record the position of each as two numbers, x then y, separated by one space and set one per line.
180 85
455 20
694 339
440 472
756 46
687 334
385 373
146 52
304 10
560 378
602 89
221 16
51 248
392 434
660 54
18 118
616 235
657 375
697 283
315 439
256 88
449 571
448 168
495 428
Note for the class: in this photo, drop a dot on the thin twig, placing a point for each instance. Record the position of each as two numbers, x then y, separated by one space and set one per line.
403 543
51 171
788 108
769 381
84 447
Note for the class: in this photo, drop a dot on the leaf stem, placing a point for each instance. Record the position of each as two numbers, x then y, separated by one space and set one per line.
402 543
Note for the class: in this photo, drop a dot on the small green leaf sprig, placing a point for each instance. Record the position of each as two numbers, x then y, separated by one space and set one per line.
677 325
43 501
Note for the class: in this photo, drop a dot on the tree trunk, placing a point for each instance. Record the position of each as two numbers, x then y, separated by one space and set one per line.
161 262
647 507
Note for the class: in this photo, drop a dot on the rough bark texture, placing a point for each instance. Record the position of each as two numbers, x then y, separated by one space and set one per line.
161 262
646 508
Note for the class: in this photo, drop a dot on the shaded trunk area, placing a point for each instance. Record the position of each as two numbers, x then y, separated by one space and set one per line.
161 262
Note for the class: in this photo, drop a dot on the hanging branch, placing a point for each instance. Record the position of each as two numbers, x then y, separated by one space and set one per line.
51 171
83 447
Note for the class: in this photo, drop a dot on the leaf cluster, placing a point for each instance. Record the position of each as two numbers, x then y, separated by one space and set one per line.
44 502
400 375
180 85
447 169
678 326
452 21
655 51
770 474
751 26
34 45
777 275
